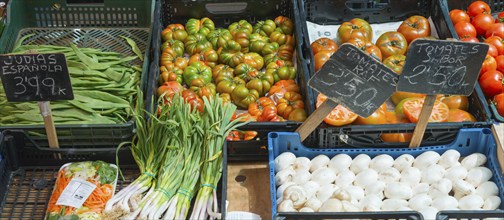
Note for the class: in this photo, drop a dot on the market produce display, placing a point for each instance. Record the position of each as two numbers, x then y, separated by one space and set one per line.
250 65
390 48
428 183
103 84
101 175
179 153
478 25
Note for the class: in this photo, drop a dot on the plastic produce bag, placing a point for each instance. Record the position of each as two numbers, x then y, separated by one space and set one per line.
81 190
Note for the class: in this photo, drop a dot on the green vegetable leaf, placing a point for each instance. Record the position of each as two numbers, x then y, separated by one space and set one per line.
134 47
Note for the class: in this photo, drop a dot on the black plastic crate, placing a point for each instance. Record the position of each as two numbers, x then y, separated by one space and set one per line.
180 11
28 173
322 12
496 6
97 24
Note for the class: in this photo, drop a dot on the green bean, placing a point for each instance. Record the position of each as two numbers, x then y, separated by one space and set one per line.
134 47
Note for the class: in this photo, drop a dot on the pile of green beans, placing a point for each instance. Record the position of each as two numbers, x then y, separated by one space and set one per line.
104 86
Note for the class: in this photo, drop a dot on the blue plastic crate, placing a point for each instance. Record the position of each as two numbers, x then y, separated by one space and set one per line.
468 141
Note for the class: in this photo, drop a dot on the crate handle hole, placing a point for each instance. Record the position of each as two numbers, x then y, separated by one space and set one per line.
226 8
273 135
240 178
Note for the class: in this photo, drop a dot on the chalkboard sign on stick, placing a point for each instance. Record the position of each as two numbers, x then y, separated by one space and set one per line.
355 80
442 67
35 77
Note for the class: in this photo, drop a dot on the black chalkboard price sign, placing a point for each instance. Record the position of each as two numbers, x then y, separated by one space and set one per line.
442 67
355 80
35 77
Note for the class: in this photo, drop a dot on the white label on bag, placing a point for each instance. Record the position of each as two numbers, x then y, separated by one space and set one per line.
76 193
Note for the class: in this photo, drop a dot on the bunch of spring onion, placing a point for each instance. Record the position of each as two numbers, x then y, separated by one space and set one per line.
190 144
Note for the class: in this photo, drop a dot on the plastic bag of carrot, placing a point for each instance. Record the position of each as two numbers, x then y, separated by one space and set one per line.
81 190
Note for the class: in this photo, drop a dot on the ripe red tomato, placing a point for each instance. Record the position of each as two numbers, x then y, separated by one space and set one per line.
323 43
500 18
499 103
498 42
491 83
496 29
482 23
470 39
478 7
492 50
415 27
500 63
488 64
321 57
465 30
457 15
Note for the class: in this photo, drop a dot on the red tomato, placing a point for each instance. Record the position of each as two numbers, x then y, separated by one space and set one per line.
323 43
465 29
412 108
478 7
491 83
498 42
321 57
456 102
339 116
500 18
488 64
415 27
492 50
470 39
500 63
457 15
482 23
457 115
392 43
496 29
499 103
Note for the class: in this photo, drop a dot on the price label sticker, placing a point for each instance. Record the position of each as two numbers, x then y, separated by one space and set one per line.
35 77
442 67
76 193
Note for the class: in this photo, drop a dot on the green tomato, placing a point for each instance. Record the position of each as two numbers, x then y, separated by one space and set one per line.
197 74
264 28
197 43
242 96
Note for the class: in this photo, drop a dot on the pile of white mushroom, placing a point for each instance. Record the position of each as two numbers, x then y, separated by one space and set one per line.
428 183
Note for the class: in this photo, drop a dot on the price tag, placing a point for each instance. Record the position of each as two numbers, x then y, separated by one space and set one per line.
442 67
355 80
35 77
76 193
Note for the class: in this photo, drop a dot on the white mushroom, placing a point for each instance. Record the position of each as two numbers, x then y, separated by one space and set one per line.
445 202
349 193
375 189
426 159
381 162
478 175
340 163
306 209
314 204
487 189
296 194
284 176
473 160
463 188
360 163
284 161
286 206
345 178
449 158
421 188
440 188
311 188
432 174
429 213
301 177
393 204
456 173
301 163
492 203
350 207
366 177
370 202
325 192
419 202
331 205
282 188
404 161
319 162
397 190
323 176
389 175
411 175
471 202
404 208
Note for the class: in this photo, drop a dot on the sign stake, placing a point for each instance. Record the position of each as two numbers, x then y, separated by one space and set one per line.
45 111
423 120
316 118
